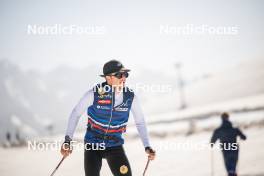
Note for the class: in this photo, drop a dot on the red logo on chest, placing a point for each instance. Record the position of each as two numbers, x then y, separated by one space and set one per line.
104 102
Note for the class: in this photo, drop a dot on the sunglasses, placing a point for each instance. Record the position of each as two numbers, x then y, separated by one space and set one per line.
119 75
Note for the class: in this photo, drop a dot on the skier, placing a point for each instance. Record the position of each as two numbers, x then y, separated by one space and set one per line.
8 142
227 135
108 105
8 137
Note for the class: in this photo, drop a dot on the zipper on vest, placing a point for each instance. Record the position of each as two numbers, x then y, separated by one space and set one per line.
111 114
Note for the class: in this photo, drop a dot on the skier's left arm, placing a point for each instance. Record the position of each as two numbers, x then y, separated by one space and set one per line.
241 135
141 126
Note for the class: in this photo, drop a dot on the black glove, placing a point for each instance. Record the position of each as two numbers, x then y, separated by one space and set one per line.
151 153
149 150
67 142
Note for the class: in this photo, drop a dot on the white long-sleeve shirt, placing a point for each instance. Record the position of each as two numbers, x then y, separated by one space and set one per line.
87 100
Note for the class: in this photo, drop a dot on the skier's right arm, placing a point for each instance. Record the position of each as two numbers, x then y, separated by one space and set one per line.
79 109
214 138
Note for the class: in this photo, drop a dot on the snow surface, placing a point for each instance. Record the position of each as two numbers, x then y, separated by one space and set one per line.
170 161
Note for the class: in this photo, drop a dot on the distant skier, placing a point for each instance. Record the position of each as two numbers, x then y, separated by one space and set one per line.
108 106
18 139
227 135
8 141
8 137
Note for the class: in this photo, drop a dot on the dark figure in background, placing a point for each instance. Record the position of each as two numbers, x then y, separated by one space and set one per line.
18 137
8 137
227 135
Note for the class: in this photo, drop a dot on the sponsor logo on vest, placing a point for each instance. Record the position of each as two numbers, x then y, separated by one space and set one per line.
125 103
104 102
105 96
121 109
101 91
103 107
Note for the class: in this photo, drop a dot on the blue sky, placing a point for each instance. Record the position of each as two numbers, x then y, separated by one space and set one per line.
132 33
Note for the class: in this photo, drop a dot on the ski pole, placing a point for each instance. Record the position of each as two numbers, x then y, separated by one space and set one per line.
146 167
212 162
57 166
237 168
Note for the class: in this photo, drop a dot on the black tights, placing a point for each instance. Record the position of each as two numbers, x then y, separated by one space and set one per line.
116 159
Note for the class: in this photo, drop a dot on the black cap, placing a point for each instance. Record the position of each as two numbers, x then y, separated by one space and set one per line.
113 66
